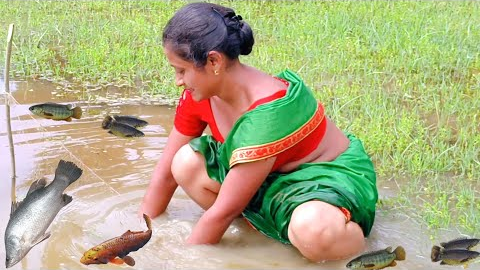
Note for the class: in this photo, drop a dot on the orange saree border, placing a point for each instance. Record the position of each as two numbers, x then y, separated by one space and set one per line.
257 152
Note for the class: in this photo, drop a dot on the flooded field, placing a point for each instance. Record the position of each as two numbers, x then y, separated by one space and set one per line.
116 172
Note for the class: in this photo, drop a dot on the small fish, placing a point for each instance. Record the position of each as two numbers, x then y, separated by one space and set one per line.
116 249
30 218
460 243
453 256
378 259
55 111
124 130
125 119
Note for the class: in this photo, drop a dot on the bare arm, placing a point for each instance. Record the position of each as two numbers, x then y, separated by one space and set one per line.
162 184
239 187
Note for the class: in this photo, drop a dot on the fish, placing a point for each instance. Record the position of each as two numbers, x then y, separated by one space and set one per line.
56 111
460 243
116 250
453 256
378 259
30 218
125 119
124 130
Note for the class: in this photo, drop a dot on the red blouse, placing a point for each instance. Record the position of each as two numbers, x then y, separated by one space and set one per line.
192 118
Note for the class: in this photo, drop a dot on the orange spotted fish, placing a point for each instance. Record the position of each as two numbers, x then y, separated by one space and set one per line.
116 249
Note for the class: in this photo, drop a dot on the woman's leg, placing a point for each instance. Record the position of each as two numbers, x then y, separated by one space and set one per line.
189 171
318 230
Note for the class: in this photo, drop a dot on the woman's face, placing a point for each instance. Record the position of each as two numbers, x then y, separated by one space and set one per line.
199 81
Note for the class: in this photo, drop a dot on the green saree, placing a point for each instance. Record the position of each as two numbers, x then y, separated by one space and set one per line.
349 181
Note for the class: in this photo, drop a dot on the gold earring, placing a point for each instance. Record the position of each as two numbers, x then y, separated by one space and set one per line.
215 72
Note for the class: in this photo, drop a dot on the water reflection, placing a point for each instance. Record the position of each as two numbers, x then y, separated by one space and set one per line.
116 174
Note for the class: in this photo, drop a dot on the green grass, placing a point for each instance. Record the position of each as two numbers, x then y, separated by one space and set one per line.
402 76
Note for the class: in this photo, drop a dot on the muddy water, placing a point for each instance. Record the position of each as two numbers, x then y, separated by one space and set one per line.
116 173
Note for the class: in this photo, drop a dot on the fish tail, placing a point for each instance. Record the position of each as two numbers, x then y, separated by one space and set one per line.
435 256
400 254
107 122
148 221
66 173
77 112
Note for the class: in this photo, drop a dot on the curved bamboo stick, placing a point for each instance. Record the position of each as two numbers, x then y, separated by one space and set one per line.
7 107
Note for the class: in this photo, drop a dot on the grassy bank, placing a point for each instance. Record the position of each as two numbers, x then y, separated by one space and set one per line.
402 76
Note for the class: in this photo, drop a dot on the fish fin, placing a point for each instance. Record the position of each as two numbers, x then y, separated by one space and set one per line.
392 264
77 112
126 233
42 238
36 185
388 249
110 132
116 260
443 244
400 253
455 239
129 260
66 199
69 119
148 221
46 114
443 263
67 172
473 244
14 207
369 265
435 255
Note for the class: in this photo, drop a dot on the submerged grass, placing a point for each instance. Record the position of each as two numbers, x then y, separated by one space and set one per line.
404 76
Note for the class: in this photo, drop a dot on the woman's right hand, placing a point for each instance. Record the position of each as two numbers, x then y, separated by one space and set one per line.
157 196
162 184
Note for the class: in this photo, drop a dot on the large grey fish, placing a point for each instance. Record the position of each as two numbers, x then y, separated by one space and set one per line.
30 218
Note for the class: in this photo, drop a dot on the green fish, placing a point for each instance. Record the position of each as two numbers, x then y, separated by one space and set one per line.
453 256
124 130
56 111
125 119
460 243
378 259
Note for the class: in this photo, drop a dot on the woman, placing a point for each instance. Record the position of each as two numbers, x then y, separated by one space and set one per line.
273 156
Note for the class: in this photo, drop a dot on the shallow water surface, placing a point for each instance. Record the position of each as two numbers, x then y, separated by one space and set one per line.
107 196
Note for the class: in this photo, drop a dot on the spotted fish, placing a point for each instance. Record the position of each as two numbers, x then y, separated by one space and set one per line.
116 250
